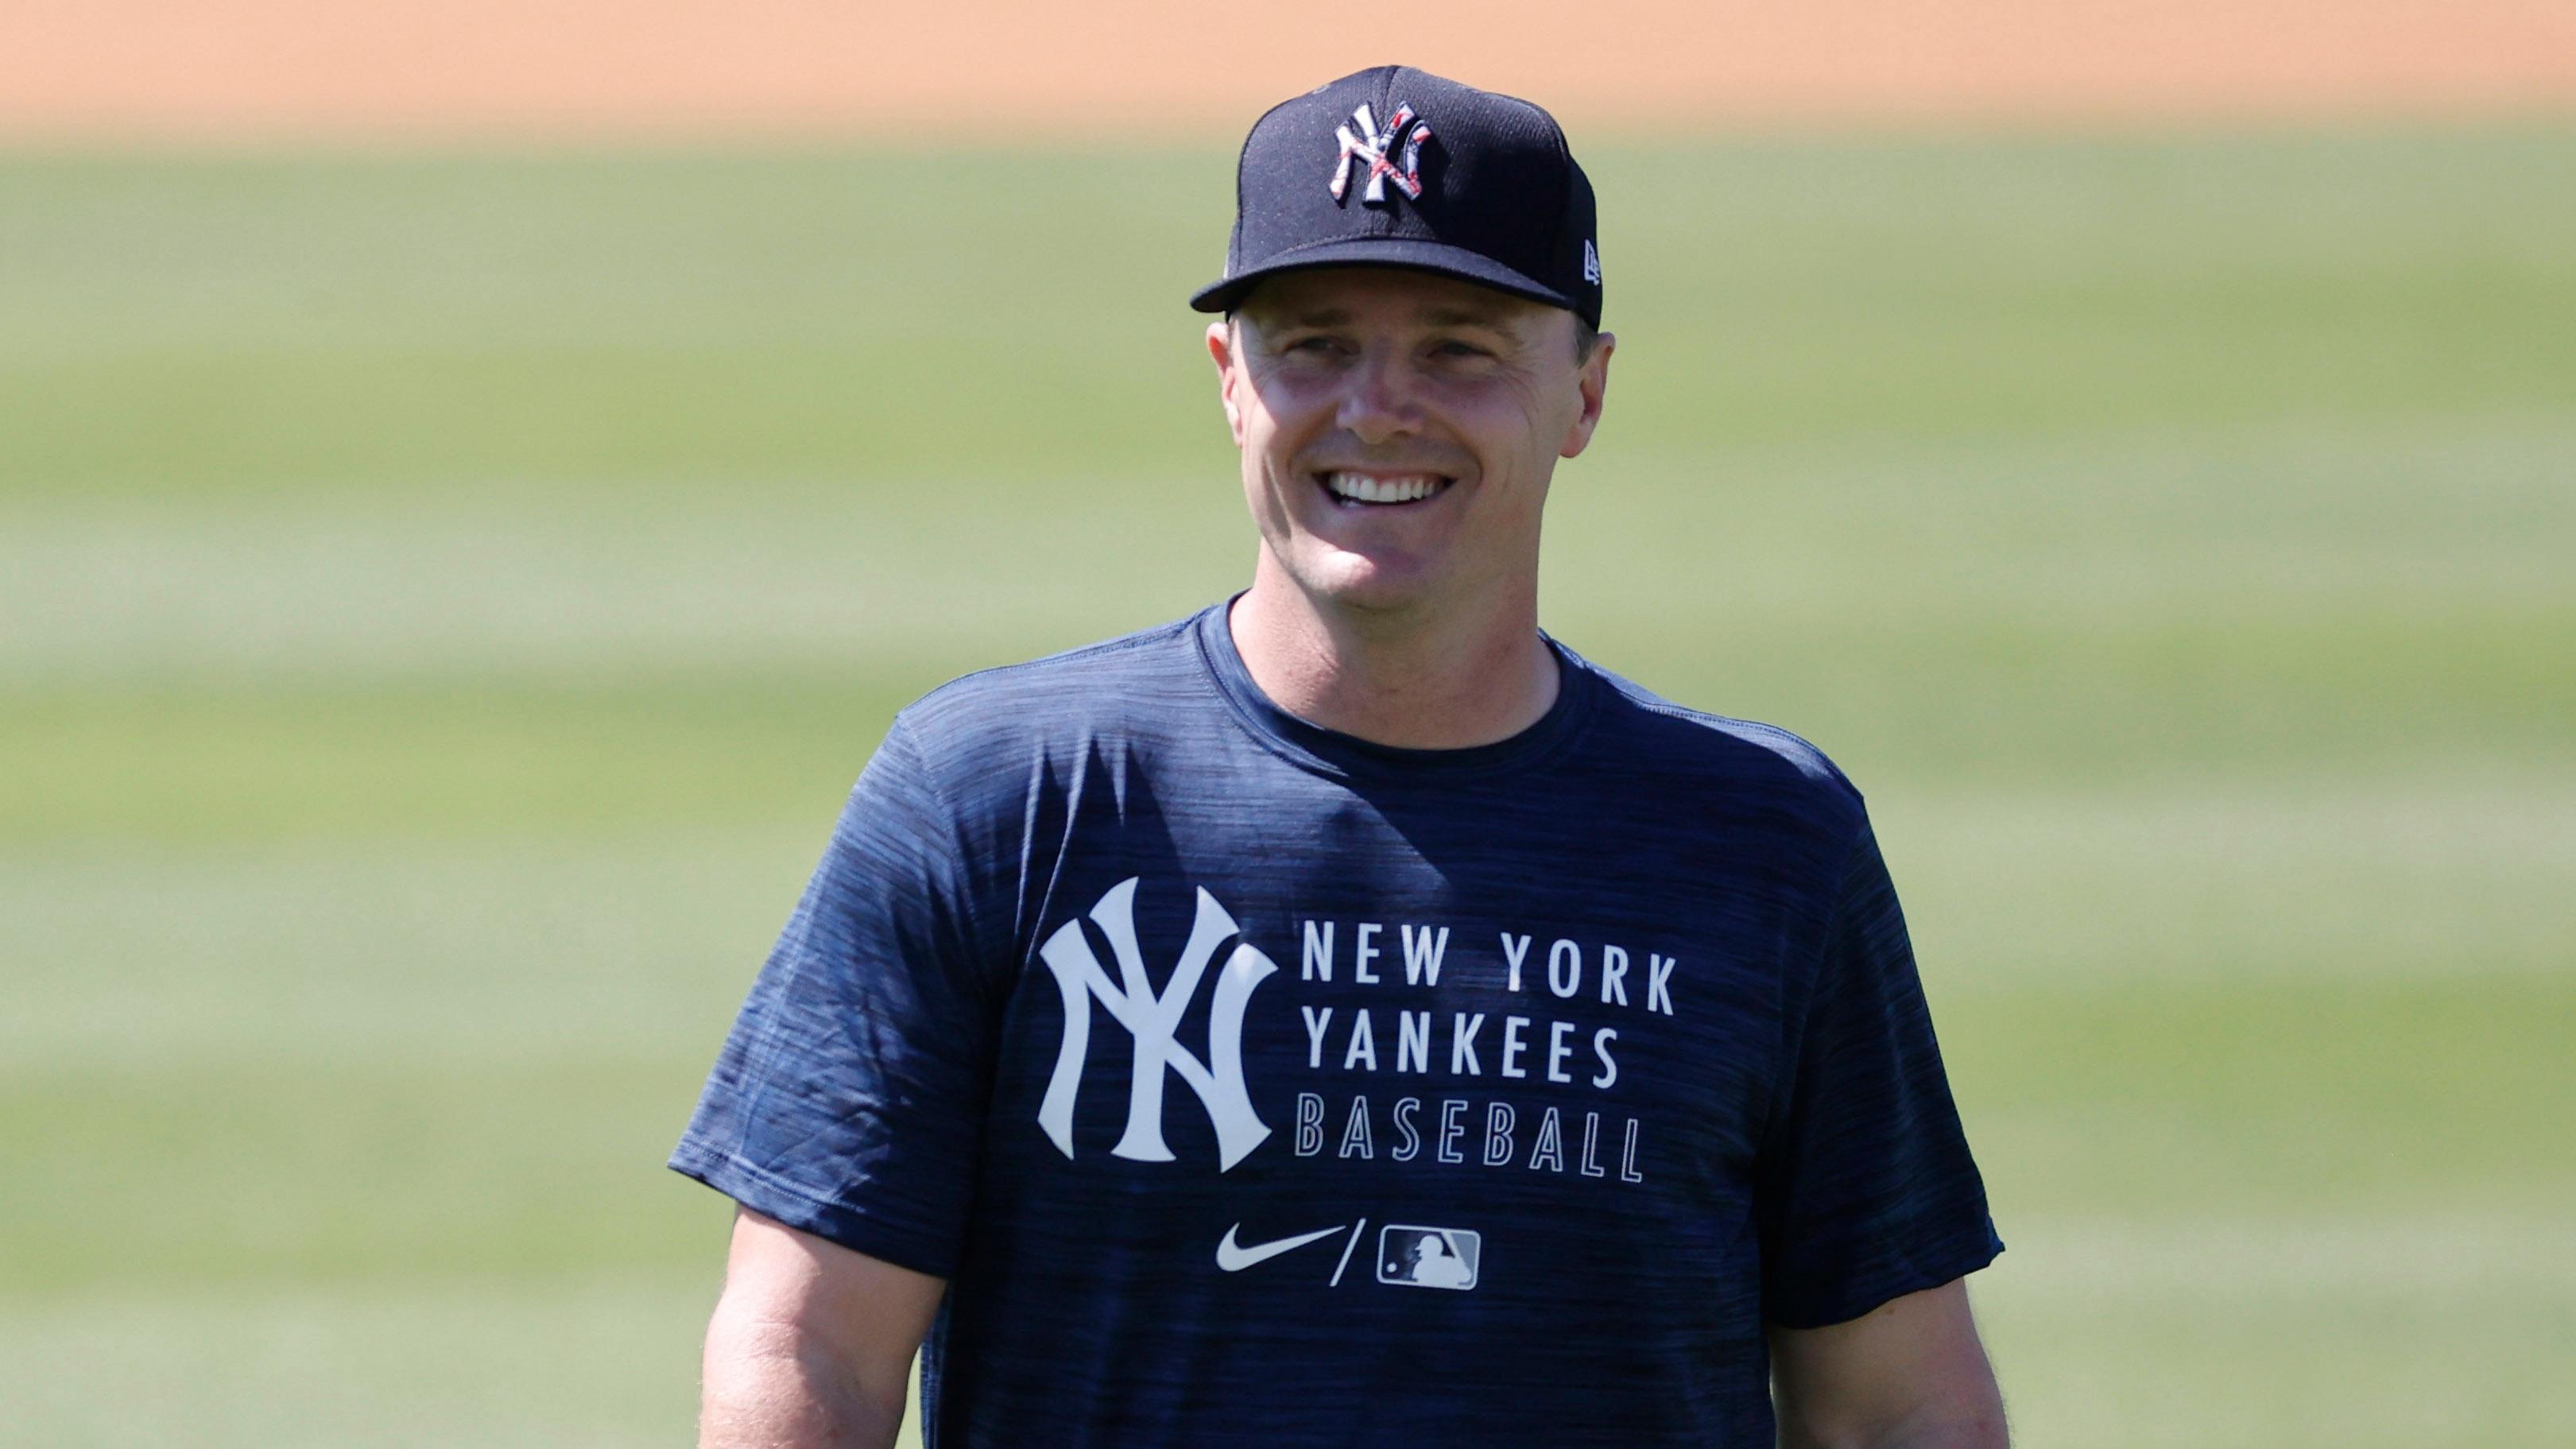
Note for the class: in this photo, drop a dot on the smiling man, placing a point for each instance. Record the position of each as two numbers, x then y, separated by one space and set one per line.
1347 1016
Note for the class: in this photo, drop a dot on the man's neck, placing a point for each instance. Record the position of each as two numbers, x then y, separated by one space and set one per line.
1442 681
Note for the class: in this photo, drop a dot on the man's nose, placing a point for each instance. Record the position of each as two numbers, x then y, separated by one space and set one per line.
1379 403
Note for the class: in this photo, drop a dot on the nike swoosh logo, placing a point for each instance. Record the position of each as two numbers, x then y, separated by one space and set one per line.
1234 1259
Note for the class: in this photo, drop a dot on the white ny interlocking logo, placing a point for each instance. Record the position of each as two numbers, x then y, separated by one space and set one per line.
1373 146
1152 1021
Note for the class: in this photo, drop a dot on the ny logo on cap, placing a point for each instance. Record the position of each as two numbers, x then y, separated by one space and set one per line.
1372 145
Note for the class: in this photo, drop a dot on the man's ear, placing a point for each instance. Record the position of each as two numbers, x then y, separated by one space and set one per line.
1592 380
1221 349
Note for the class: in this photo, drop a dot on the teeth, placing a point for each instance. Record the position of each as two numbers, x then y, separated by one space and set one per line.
1365 489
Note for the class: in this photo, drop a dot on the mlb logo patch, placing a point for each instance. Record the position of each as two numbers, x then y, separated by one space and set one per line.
1412 1256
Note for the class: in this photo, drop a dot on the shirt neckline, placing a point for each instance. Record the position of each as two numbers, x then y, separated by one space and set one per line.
1342 756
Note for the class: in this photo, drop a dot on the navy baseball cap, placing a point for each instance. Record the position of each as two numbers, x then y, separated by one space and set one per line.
1396 167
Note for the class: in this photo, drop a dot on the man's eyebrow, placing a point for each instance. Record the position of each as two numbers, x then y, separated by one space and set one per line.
1314 317
1449 316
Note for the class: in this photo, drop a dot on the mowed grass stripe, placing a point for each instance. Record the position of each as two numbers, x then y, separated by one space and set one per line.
2146 1360
1909 707
2328 1363
2500 1258
2452 520
324 954
598 1363
2313 880
212 767
2122 1098
303 1165
317 324
355 945
416 1169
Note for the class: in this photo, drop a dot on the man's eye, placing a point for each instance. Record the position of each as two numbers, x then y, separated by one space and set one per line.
1459 349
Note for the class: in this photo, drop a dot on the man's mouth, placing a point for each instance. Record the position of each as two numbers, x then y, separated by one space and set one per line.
1381 490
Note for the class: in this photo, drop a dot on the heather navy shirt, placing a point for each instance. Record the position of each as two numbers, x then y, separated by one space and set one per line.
1253 1083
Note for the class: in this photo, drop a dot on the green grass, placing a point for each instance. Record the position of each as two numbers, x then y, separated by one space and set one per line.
443 599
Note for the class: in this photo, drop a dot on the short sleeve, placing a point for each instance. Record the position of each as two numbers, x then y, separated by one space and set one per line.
1866 1190
848 1100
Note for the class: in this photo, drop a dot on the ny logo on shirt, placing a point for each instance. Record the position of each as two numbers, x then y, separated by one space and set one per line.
1152 1021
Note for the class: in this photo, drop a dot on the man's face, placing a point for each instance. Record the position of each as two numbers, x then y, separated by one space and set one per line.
1399 428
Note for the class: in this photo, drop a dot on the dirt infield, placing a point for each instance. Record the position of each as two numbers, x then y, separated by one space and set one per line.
1154 69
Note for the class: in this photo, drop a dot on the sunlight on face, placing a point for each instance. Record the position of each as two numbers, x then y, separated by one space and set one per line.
1399 429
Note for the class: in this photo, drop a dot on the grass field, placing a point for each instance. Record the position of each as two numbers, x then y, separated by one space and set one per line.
443 600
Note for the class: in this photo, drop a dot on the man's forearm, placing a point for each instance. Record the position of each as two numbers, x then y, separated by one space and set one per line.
1972 1418
1979 1433
1973 1425
771 1386
1960 1434
1909 1374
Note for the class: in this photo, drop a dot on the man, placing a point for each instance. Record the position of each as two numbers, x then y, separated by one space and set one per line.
1158 1007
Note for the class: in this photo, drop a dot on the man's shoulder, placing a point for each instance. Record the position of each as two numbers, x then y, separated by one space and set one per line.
1654 735
1078 692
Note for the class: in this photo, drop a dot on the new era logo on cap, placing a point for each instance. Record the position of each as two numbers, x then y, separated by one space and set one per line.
1454 180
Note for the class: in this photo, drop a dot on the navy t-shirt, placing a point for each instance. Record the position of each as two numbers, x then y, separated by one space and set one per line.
1250 1082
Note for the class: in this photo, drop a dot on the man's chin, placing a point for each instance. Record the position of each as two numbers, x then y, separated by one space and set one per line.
1365 583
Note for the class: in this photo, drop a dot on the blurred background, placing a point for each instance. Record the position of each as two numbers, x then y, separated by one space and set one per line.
476 479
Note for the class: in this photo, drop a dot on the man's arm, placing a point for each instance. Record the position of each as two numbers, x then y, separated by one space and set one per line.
1908 1375
811 1345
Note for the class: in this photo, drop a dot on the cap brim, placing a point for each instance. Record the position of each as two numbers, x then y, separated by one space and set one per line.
1413 253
